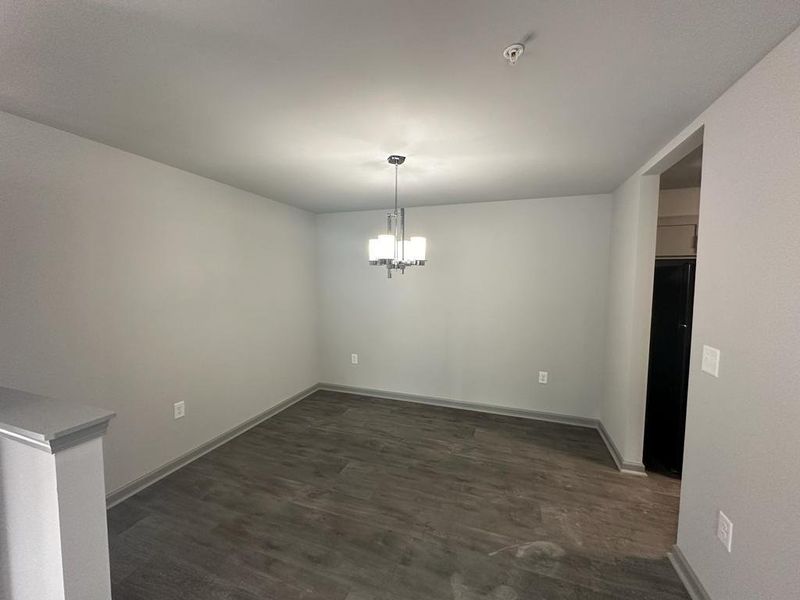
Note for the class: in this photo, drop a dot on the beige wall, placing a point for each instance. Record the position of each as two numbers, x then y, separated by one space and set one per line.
511 288
679 202
130 285
678 212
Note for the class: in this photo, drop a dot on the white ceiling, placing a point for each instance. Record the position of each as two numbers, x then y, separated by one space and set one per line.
301 101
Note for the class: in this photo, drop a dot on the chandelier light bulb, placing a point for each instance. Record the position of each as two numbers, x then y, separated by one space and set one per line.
418 247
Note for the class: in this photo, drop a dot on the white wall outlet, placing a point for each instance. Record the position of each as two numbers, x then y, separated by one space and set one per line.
711 361
179 409
542 376
354 359
724 530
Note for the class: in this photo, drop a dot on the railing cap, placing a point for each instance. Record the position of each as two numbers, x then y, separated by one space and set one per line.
48 424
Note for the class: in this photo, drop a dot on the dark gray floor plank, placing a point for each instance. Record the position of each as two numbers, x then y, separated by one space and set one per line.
345 497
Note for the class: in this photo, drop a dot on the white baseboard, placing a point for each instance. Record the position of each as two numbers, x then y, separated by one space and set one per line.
126 491
687 575
461 405
626 467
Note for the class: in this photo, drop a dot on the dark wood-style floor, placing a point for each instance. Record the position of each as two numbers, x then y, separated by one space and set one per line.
342 497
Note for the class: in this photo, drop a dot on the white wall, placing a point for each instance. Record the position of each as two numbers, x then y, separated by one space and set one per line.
130 285
743 429
83 530
510 288
742 439
30 541
630 278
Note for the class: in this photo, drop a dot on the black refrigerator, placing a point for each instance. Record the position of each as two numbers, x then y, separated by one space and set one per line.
668 372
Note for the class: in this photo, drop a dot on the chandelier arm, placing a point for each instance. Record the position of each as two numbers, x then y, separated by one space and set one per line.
403 234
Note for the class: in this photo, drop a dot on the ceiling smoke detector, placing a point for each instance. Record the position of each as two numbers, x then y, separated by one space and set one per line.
513 52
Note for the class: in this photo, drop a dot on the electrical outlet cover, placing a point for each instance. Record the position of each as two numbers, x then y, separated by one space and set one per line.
179 409
711 361
725 530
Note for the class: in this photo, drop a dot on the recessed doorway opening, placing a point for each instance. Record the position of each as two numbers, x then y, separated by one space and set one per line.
672 309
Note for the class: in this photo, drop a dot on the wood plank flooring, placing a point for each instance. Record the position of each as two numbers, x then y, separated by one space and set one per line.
342 497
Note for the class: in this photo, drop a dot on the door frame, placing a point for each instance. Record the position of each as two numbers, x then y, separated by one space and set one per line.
641 315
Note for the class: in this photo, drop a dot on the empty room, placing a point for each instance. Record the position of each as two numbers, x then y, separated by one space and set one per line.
372 300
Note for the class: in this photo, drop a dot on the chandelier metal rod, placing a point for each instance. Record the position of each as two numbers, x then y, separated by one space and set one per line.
395 256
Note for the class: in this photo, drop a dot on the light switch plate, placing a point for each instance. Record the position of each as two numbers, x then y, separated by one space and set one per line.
724 530
354 359
179 409
711 361
542 376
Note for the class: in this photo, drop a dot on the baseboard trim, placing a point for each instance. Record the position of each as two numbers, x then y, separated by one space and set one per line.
627 467
461 405
687 575
126 491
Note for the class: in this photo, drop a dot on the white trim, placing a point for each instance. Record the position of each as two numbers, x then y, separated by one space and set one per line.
687 575
461 405
126 491
129 489
625 467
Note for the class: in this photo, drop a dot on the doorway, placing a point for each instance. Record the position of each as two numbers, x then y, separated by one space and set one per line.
671 321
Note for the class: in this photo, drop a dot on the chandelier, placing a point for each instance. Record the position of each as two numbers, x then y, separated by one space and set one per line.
392 250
